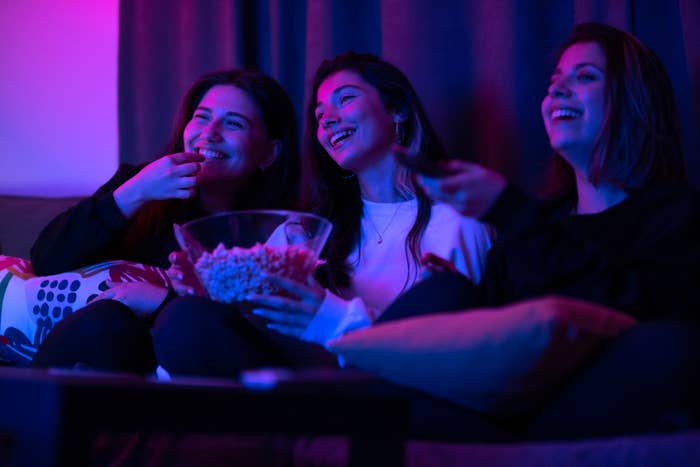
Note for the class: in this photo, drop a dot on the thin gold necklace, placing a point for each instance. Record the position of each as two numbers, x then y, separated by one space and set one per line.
380 235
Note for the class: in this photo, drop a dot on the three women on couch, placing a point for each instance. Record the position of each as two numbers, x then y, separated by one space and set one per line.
611 120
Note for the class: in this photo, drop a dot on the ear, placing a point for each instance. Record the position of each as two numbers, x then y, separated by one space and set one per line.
400 115
270 159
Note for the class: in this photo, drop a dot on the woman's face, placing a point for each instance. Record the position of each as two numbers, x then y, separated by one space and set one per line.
574 108
227 129
354 127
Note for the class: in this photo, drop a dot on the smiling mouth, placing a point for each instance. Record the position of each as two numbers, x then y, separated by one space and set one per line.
211 154
566 114
340 136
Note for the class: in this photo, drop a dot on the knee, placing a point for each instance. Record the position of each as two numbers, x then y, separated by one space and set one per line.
183 313
103 335
101 317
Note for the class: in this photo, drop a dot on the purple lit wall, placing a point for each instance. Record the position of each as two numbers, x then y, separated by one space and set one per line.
58 89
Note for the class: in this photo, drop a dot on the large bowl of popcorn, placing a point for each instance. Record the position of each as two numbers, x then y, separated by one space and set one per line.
234 254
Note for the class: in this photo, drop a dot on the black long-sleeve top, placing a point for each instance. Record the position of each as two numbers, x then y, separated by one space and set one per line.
641 256
94 231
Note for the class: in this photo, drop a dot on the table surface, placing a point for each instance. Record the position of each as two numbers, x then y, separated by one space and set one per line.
65 408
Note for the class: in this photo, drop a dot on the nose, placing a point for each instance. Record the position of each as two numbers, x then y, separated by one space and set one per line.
330 117
559 87
211 131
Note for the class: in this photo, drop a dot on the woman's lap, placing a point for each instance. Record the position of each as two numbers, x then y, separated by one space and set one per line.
104 335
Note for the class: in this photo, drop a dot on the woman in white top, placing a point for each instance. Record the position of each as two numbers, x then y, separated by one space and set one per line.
362 111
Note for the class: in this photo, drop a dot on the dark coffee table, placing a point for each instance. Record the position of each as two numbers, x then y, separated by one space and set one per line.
52 418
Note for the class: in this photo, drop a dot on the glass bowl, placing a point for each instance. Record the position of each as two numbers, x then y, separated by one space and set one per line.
234 253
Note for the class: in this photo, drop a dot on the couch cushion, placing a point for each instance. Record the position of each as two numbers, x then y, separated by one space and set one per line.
500 360
23 218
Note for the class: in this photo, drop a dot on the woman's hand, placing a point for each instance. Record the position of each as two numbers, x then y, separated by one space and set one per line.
143 298
171 176
433 263
289 314
182 275
471 190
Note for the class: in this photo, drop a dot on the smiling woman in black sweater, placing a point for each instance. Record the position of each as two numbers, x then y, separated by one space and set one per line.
623 231
622 227
234 146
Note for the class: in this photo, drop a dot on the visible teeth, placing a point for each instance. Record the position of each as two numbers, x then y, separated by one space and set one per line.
340 135
211 154
566 113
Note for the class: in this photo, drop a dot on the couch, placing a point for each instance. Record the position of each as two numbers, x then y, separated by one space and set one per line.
23 217
675 443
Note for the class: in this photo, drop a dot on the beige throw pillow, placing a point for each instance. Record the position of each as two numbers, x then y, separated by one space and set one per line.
498 360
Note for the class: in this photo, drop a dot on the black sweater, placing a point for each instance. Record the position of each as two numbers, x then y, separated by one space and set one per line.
641 256
94 231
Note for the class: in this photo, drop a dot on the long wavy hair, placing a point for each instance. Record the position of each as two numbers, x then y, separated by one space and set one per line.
276 187
640 144
334 194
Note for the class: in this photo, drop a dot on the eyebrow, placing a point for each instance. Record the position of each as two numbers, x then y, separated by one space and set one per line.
578 66
228 114
337 90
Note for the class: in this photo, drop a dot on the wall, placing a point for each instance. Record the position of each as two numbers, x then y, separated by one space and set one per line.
58 89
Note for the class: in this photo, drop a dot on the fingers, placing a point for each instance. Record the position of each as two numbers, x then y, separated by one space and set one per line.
186 182
287 330
185 193
179 261
282 322
188 169
174 273
106 295
281 303
184 157
437 263
182 289
281 317
303 291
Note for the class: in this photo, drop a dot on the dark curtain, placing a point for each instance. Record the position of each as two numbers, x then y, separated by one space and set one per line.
480 67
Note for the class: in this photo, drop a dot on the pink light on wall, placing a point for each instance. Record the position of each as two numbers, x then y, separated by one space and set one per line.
58 88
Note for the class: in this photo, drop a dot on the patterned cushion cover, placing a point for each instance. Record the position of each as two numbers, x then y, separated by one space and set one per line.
30 306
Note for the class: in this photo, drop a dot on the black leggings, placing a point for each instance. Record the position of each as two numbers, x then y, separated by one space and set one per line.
197 336
104 335
190 336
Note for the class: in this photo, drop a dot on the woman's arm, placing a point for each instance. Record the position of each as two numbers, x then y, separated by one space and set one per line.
84 234
311 312
475 191
91 231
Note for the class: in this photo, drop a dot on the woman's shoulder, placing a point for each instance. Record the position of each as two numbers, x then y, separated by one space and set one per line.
666 205
659 201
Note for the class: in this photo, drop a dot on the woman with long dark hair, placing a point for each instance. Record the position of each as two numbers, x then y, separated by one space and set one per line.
362 111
